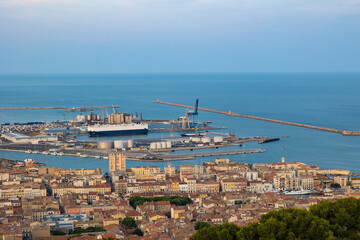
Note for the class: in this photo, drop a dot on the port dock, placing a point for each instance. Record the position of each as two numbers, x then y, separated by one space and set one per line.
229 113
183 129
149 157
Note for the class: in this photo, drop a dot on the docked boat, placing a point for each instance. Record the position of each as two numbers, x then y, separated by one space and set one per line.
19 164
300 192
105 157
266 140
193 134
118 129
97 156
45 153
28 151
35 152
83 155
60 154
53 153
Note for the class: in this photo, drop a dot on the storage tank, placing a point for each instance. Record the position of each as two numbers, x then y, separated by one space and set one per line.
163 144
158 145
105 145
153 145
205 139
195 139
118 144
168 144
218 139
130 143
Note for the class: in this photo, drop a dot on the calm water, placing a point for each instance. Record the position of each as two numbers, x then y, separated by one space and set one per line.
329 100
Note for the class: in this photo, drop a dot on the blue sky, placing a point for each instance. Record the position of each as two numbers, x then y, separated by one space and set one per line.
145 36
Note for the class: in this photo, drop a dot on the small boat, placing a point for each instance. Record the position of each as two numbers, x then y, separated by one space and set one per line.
105 157
97 156
45 153
19 164
83 155
53 153
35 152
193 134
60 154
28 151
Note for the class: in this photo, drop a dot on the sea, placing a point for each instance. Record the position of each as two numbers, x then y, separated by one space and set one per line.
322 99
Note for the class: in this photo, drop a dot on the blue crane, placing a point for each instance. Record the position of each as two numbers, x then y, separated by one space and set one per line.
194 113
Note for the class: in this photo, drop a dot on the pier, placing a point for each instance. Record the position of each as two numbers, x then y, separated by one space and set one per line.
183 129
186 156
229 113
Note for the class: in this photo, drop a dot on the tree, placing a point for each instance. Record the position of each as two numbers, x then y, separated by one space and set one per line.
168 214
200 225
326 220
58 232
128 222
335 185
226 231
177 200
343 216
138 232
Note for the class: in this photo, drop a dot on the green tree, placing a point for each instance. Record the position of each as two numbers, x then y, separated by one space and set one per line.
343 216
177 200
168 214
138 232
199 225
58 232
128 222
226 231
335 185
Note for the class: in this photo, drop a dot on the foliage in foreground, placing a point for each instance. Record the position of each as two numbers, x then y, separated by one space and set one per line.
128 222
177 200
200 225
326 220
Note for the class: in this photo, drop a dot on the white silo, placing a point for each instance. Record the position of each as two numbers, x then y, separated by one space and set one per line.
205 139
118 144
152 145
130 143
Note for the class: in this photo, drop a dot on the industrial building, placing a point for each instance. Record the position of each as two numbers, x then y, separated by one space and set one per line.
117 118
22 138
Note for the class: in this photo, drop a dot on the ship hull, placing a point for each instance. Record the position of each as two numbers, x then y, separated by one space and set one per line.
118 132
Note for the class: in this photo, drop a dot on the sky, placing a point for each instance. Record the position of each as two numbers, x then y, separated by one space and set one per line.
179 36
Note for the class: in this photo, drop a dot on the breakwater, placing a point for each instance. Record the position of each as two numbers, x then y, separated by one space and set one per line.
229 113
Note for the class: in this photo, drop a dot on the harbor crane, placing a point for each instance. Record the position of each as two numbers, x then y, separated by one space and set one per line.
194 113
188 121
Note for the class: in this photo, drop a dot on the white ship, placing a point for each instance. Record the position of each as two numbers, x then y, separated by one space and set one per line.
300 192
118 129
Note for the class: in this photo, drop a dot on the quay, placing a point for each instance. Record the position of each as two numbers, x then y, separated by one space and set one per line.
183 129
229 113
189 156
